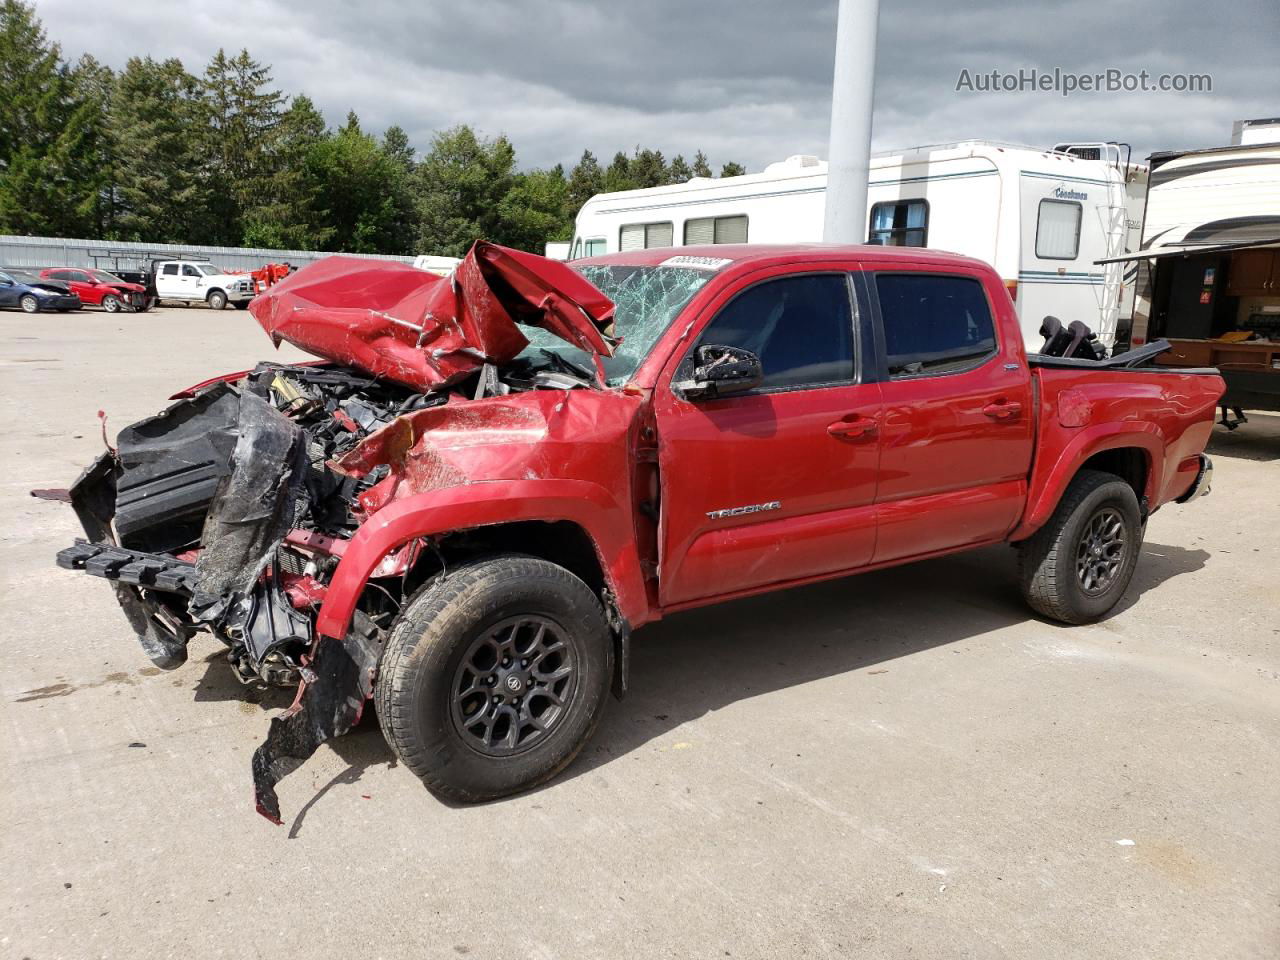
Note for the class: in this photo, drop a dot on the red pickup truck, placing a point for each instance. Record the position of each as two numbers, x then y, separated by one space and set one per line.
492 479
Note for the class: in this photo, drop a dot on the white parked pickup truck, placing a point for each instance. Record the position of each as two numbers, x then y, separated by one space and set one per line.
195 281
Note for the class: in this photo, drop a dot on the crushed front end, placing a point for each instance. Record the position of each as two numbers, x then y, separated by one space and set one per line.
229 511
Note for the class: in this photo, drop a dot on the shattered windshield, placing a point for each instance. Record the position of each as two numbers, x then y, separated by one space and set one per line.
646 300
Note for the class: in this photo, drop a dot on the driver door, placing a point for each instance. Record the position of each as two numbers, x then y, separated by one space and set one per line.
776 484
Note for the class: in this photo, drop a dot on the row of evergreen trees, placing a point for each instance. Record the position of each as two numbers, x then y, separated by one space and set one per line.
154 153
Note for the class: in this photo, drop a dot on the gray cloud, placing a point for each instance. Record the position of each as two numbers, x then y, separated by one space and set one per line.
742 81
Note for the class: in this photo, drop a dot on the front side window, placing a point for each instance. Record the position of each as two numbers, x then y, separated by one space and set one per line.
800 327
79 276
1058 230
643 236
715 230
899 223
934 323
189 271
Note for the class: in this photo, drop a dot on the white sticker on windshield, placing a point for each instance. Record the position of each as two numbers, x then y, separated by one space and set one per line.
697 263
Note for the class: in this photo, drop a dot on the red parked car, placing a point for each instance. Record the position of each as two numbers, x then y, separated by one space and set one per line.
492 479
100 289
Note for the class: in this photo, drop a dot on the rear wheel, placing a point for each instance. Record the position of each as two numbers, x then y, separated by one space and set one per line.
1079 564
217 300
494 676
111 303
29 303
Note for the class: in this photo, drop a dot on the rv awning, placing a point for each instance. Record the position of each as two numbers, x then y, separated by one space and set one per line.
1165 253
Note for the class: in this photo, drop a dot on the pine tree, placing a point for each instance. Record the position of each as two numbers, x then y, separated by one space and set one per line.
701 168
585 181
350 172
648 168
289 219
732 169
679 170
160 183
49 134
243 113
618 175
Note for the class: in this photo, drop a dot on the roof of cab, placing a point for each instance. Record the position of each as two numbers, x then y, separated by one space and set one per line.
767 254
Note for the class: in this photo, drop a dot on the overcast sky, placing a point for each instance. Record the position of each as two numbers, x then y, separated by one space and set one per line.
742 80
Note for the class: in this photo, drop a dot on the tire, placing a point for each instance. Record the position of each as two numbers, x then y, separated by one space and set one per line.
445 640
1077 566
111 303
29 303
217 300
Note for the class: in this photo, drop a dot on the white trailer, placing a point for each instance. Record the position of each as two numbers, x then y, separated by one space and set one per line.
1040 217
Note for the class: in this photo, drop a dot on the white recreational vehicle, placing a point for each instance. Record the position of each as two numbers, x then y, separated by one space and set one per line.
1040 217
1208 267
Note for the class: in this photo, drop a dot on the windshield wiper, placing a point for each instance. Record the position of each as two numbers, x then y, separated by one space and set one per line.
568 366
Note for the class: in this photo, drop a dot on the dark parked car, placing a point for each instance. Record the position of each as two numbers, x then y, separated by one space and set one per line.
31 294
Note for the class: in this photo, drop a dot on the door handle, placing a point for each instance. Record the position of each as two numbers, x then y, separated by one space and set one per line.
855 427
1003 409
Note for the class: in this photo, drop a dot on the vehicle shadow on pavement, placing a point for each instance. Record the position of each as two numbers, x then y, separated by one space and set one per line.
697 662
1259 439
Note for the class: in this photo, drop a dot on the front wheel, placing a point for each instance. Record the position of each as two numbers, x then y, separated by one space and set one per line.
29 304
111 303
494 676
1078 565
217 300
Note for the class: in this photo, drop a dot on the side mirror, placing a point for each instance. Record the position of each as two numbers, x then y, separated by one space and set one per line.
720 371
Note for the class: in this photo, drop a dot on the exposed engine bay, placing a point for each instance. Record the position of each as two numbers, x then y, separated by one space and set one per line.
229 511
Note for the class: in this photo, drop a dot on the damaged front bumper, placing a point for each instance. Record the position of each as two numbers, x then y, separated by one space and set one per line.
228 512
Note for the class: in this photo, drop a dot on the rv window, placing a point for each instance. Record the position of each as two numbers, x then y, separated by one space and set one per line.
934 323
642 236
801 328
715 230
899 223
595 247
1058 230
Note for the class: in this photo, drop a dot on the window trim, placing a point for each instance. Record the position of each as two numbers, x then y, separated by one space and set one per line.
855 317
1079 226
882 340
684 227
647 224
928 213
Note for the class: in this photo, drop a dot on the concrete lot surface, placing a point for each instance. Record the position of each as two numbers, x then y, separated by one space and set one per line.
905 764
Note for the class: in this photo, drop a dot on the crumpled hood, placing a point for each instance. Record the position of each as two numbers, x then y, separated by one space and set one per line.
425 331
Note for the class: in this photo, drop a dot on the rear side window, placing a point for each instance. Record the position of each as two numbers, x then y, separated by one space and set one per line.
170 270
934 323
715 230
801 328
642 236
1058 230
899 223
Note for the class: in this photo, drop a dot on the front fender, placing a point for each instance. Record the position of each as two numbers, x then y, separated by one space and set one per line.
1052 472
589 505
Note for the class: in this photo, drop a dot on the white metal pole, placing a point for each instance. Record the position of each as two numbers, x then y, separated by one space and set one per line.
852 96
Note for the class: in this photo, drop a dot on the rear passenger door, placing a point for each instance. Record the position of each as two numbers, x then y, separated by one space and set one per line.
957 423
776 484
169 280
